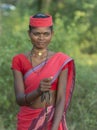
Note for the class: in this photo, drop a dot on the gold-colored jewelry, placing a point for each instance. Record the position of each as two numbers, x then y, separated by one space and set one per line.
42 56
40 53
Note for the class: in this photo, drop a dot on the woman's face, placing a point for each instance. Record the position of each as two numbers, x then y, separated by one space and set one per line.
40 37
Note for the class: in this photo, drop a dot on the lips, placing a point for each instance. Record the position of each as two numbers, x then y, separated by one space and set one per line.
41 42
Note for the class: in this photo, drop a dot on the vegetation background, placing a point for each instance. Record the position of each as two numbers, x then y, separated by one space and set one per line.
75 26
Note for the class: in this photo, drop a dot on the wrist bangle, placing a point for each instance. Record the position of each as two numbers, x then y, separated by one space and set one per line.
27 103
26 99
39 92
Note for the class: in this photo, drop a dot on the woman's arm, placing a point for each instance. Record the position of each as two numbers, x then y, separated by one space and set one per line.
26 99
21 97
60 101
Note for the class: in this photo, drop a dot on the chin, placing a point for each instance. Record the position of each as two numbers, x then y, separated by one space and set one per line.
41 47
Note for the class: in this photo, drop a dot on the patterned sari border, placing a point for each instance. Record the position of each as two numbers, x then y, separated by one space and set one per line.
72 88
56 76
36 121
34 69
73 80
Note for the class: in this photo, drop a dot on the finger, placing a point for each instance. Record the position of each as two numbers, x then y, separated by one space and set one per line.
44 86
45 89
46 83
48 79
43 83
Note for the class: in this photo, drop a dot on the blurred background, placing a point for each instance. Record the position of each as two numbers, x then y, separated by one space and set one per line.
75 27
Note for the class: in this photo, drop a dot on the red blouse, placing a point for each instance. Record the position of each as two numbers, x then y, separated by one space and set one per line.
21 63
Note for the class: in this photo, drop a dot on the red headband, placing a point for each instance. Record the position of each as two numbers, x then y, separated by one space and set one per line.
41 22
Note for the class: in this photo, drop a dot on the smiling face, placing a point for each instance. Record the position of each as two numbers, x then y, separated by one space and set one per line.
40 37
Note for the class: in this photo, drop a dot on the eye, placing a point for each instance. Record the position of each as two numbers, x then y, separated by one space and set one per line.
36 33
46 34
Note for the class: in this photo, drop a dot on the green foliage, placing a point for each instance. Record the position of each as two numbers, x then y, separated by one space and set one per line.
82 113
79 16
74 34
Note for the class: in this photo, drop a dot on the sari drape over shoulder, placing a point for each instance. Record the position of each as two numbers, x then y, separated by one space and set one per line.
34 119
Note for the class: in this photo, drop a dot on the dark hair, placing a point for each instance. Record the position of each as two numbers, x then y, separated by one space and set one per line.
40 15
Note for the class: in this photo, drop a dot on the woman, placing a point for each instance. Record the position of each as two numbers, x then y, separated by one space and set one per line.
43 80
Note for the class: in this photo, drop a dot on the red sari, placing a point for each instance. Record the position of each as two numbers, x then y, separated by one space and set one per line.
34 119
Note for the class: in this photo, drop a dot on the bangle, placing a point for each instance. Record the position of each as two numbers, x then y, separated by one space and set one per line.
26 99
27 103
39 92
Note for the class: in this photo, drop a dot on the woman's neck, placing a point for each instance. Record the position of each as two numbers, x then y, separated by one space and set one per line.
39 52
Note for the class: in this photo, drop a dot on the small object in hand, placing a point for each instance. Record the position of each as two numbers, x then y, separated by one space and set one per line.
51 77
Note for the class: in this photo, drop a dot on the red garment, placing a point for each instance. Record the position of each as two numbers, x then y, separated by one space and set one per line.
21 63
41 22
53 67
36 117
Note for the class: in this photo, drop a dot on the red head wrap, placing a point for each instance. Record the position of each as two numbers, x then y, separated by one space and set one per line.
41 22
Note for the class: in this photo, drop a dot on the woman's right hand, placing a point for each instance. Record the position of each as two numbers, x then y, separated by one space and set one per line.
45 85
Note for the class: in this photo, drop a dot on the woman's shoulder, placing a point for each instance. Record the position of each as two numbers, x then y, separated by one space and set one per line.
18 56
58 56
62 54
21 55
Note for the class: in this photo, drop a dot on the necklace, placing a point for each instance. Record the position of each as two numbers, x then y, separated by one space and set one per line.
38 53
33 54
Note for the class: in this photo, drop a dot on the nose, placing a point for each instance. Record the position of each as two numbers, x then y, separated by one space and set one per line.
41 36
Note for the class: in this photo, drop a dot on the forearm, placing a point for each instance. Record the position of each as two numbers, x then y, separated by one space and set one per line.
59 108
32 96
26 99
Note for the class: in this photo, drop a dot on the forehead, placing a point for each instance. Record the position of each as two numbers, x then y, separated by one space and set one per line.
41 29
